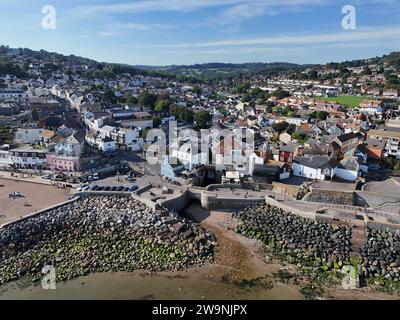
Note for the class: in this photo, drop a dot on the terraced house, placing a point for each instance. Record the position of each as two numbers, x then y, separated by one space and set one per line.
391 140
28 158
345 145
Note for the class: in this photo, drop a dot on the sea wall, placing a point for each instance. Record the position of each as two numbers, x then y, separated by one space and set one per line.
39 212
375 200
212 202
177 203
333 197
273 202
285 189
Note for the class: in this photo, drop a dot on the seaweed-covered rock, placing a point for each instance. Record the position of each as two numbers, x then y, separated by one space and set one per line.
98 234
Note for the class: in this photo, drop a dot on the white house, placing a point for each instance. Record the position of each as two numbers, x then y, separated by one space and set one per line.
13 94
188 158
28 135
5 160
28 158
348 169
296 121
128 139
69 147
107 145
314 167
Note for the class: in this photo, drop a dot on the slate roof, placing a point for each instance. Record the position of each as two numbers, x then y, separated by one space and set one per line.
315 162
347 136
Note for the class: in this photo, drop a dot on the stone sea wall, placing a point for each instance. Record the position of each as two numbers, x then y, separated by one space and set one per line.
305 241
99 234
333 197
380 257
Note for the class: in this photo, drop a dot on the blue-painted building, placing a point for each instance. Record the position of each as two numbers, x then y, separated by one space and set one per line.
170 169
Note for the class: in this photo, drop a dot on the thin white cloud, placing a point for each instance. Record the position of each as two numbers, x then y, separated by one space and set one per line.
107 34
248 6
365 34
153 6
152 27
118 29
249 9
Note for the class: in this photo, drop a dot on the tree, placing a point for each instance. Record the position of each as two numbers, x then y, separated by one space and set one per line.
202 118
181 113
147 100
281 94
291 128
280 126
313 75
197 90
300 136
109 96
367 71
246 98
162 104
130 99
255 92
322 115
242 88
156 121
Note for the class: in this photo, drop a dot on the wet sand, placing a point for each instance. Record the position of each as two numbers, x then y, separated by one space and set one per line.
39 196
236 258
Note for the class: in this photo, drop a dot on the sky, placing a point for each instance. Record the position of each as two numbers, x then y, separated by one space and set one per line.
165 32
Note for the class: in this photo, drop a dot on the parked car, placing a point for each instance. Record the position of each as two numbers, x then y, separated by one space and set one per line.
120 188
96 176
80 188
133 188
100 188
57 178
126 189
107 188
114 188
46 176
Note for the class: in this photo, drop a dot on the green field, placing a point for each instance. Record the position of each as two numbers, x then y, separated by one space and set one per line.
348 101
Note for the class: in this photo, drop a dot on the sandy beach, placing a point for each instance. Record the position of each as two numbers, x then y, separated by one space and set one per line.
38 196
